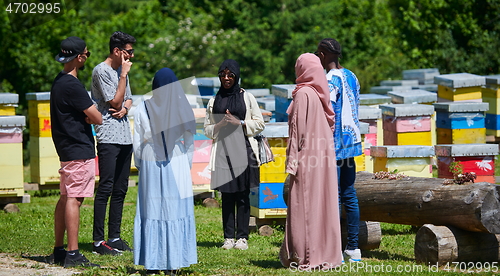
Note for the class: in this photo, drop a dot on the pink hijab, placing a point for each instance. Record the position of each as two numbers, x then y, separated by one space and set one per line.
309 72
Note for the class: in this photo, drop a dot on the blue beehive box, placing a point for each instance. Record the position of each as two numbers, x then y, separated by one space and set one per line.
492 121
208 86
267 196
460 115
283 97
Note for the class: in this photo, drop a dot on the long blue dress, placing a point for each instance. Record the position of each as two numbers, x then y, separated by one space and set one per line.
164 228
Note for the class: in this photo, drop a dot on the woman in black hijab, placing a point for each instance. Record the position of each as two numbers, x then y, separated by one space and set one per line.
233 118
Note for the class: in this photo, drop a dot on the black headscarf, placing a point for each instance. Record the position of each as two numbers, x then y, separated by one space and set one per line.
229 99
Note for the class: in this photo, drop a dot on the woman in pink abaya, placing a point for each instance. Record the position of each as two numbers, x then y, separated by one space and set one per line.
312 236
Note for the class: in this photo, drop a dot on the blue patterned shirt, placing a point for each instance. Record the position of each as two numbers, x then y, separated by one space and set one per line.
344 95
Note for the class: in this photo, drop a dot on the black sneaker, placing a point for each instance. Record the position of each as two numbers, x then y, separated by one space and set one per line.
78 260
120 245
105 249
58 257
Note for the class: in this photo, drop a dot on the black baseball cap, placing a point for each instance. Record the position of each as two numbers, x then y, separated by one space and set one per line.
70 48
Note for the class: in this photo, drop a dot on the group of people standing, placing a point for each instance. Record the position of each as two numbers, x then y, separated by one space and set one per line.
323 109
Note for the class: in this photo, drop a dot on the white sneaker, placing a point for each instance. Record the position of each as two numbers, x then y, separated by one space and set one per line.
241 244
353 255
228 244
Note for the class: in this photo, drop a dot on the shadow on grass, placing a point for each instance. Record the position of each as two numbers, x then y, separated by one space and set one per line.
209 244
267 264
41 259
393 232
384 255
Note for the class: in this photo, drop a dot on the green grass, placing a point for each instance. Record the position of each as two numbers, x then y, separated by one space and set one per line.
30 233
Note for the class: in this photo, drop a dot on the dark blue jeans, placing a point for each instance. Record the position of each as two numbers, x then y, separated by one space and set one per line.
346 169
114 170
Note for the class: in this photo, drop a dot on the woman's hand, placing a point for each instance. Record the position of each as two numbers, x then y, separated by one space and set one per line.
229 118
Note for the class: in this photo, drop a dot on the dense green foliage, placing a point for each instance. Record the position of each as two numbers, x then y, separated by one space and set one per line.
379 38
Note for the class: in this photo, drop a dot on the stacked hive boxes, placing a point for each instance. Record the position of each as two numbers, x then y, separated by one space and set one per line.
373 117
460 122
407 124
477 158
11 147
8 104
44 159
415 96
200 171
409 160
459 87
267 200
491 95
283 97
364 129
424 76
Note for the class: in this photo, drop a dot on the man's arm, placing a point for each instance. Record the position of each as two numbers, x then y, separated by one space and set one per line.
117 101
93 115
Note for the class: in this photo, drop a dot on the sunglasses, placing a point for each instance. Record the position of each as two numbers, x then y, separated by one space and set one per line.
130 52
230 75
86 54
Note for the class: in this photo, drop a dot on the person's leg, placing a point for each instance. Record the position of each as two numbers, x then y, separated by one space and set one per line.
242 214
72 218
228 201
120 187
349 199
59 221
107 162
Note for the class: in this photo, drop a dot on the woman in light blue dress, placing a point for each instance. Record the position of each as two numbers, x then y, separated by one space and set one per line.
164 228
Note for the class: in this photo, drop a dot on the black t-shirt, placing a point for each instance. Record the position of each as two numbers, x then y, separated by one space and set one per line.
72 136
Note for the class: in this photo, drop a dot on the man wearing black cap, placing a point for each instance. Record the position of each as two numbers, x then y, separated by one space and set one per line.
71 113
112 95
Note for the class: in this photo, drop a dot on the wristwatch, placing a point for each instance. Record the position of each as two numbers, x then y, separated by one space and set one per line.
242 122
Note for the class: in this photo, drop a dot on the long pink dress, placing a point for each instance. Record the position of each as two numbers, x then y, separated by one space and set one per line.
312 235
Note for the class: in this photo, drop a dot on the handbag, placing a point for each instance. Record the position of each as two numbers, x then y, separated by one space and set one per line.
265 152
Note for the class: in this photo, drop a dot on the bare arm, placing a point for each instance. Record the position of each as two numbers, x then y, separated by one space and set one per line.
117 101
93 115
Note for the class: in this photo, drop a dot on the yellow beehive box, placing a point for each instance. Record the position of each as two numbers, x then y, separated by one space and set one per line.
492 132
11 168
419 167
360 163
11 154
368 163
459 94
491 92
423 138
16 192
410 160
461 136
40 127
7 110
42 147
268 213
277 142
494 105
274 172
45 170
39 109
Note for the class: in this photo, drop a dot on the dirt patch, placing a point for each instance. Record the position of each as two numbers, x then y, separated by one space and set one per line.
11 265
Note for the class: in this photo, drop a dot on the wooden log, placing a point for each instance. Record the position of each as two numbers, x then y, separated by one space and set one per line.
446 244
369 237
418 201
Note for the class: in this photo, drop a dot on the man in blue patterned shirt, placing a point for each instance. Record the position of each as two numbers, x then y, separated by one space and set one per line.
344 95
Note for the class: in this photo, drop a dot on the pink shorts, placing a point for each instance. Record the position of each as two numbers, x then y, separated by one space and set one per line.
77 178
